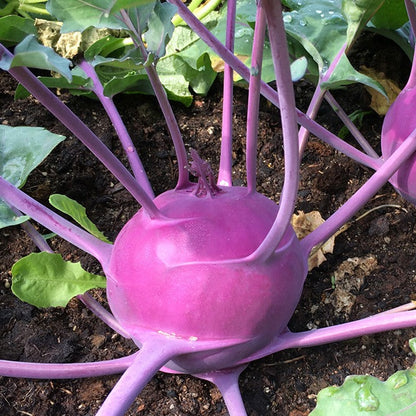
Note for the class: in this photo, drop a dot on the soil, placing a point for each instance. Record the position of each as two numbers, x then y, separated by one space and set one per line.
282 384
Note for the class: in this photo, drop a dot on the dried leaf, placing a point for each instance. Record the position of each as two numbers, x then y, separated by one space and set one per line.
304 224
379 103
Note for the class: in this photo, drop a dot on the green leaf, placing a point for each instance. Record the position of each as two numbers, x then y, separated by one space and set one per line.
8 218
46 280
78 213
78 15
31 54
391 15
13 29
79 85
126 4
358 13
305 23
367 395
22 149
160 28
345 74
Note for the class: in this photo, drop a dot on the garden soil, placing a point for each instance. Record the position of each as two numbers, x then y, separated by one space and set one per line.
283 384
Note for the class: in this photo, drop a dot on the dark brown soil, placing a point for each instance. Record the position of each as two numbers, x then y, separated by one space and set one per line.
283 384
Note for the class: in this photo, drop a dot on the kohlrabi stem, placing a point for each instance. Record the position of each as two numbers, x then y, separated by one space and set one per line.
411 13
311 112
162 98
51 102
146 364
125 139
362 196
227 383
268 92
226 155
101 313
254 98
63 370
352 128
411 82
280 55
317 98
341 332
54 222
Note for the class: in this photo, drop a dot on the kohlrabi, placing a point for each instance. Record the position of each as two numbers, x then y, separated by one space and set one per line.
205 277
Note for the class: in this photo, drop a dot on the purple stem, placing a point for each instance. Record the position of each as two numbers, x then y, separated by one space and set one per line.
227 383
148 361
63 370
125 139
267 91
54 222
350 125
226 158
361 197
411 13
317 98
280 55
84 134
169 116
101 313
411 82
371 325
254 98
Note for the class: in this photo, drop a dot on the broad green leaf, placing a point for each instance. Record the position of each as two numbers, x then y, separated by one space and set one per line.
126 4
358 13
108 45
78 15
13 29
319 27
345 74
22 149
391 15
8 218
31 54
78 86
160 28
46 280
367 395
77 212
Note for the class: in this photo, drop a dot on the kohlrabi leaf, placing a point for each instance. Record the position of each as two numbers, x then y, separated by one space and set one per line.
358 14
46 280
367 395
391 15
345 74
22 149
342 21
77 212
8 218
160 28
13 29
31 54
78 86
126 4
78 15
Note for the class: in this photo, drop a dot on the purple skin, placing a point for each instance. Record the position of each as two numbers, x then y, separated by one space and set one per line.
217 270
399 123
